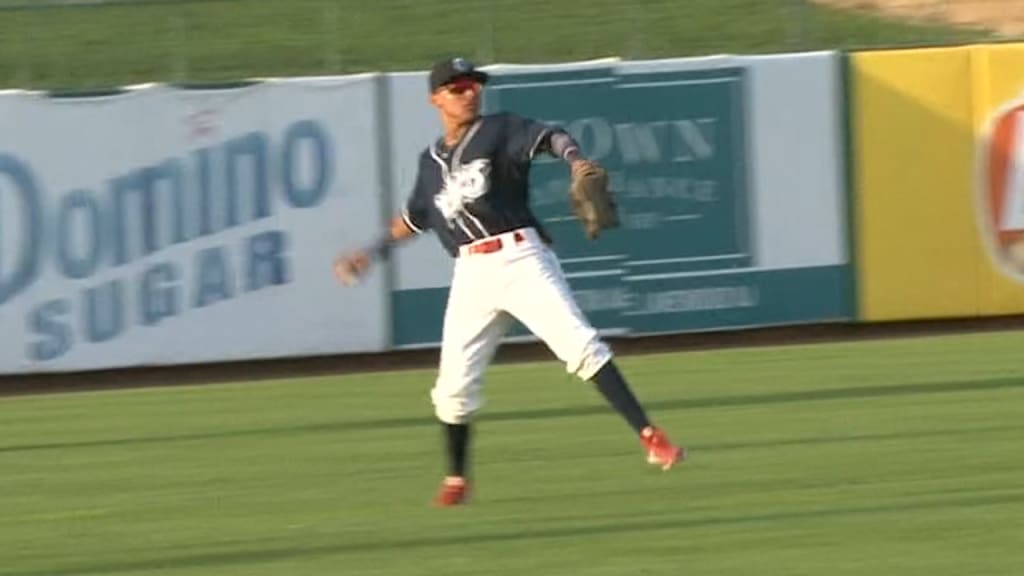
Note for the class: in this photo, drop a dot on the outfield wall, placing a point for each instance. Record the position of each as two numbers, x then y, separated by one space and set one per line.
161 226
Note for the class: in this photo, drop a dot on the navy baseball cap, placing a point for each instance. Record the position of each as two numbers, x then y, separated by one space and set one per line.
447 71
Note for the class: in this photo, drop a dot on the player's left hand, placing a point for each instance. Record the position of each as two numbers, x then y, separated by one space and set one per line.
348 268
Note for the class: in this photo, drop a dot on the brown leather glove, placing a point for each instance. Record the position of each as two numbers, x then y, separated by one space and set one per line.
591 201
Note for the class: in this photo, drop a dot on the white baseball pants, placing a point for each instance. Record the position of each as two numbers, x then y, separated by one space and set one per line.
522 280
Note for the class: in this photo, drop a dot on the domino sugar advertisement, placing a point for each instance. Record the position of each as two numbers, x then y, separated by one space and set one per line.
161 225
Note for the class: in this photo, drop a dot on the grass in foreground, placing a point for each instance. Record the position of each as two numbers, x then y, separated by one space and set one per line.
895 457
216 40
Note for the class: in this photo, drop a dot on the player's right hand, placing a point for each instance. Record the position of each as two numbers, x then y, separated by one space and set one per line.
349 267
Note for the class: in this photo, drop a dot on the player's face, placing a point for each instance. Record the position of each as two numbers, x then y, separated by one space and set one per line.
459 101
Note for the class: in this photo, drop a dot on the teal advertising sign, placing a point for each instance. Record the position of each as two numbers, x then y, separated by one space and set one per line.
675 151
676 148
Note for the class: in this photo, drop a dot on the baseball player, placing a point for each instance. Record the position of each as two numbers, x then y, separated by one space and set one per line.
471 190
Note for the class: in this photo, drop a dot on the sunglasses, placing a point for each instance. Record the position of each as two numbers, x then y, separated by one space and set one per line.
462 86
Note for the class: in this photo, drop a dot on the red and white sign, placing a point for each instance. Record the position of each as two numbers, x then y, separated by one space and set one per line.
1000 188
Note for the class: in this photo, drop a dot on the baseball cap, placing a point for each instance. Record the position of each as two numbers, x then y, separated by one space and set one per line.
445 71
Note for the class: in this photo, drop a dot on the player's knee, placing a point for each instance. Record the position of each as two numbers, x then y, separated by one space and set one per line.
451 414
455 404
593 355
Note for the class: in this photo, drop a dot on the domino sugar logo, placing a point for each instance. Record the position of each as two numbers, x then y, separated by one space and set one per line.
999 188
112 238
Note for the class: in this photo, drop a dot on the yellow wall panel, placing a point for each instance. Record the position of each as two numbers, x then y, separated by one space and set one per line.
917 242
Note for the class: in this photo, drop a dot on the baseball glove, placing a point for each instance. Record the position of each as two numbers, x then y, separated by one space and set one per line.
591 201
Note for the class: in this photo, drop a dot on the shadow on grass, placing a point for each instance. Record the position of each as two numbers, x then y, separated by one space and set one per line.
461 539
711 402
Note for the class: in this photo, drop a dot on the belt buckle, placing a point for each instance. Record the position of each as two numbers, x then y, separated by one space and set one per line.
490 245
486 246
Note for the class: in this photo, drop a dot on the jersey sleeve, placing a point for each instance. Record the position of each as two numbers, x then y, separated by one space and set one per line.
527 137
416 212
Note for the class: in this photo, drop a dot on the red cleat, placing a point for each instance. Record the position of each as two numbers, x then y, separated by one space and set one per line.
454 491
659 450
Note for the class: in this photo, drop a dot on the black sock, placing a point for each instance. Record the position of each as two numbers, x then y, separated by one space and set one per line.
614 388
457 440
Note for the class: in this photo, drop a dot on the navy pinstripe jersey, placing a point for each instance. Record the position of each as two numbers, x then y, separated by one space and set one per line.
480 186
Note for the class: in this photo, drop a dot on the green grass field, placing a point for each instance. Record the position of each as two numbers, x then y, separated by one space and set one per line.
898 457
215 40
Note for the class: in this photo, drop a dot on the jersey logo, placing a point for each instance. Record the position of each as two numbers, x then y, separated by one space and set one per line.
463 184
